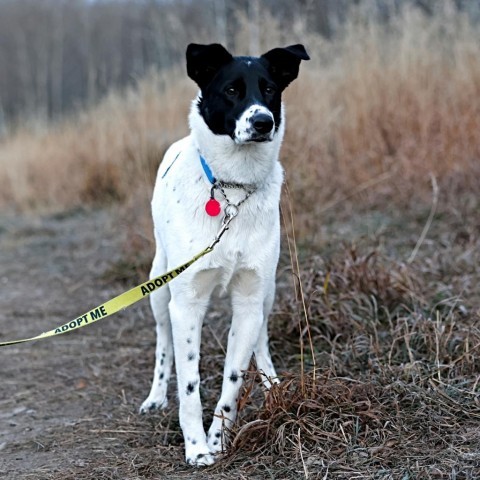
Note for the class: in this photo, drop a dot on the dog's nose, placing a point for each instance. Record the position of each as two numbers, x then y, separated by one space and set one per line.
262 123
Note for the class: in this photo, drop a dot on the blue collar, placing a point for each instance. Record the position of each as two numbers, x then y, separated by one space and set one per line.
220 184
207 171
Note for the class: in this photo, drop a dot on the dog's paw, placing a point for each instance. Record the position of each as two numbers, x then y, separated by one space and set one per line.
216 441
200 459
152 405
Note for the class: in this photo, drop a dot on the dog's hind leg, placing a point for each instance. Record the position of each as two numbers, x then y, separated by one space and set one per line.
262 351
247 322
159 300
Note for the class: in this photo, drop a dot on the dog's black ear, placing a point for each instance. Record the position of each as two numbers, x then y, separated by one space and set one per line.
284 63
204 61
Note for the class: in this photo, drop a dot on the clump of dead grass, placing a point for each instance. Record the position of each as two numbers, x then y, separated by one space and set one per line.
396 384
364 426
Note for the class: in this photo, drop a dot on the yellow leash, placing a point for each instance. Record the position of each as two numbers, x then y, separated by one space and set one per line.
116 304
129 297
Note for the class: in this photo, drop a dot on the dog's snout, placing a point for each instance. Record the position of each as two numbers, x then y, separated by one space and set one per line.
256 124
262 123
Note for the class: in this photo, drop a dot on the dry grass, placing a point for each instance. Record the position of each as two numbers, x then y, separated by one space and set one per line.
395 394
375 115
108 153
388 103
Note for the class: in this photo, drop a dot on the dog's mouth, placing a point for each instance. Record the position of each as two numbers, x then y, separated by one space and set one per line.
254 138
262 138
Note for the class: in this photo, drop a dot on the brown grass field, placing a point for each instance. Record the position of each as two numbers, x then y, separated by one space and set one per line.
376 325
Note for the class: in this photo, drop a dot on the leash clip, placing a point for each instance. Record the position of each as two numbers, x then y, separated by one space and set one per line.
230 214
231 211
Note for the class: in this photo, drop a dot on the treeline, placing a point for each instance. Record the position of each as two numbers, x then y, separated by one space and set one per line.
56 55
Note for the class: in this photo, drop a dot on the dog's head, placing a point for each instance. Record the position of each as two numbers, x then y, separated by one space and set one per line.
241 96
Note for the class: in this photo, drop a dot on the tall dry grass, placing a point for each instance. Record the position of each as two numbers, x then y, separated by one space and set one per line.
376 111
388 106
104 154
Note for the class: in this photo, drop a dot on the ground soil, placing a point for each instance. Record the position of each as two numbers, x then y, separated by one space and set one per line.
62 398
69 404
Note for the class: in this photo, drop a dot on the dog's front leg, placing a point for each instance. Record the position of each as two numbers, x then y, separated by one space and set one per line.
187 317
247 323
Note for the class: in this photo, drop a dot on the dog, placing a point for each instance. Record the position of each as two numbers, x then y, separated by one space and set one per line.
227 169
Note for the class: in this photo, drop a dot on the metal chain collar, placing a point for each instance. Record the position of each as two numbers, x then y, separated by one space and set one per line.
231 210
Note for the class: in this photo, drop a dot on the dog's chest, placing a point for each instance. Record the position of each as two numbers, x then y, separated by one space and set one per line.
184 228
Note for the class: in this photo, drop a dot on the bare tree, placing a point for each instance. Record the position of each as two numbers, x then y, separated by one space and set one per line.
56 69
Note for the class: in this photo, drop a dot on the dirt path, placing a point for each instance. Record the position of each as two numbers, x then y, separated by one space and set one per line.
68 405
53 390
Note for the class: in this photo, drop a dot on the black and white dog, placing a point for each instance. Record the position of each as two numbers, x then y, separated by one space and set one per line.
228 166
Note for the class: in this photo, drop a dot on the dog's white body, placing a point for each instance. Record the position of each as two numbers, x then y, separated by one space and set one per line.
242 263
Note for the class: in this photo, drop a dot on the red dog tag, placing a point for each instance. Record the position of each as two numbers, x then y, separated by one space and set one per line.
212 207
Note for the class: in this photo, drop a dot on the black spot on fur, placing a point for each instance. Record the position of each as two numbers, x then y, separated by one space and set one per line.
233 376
215 442
191 387
218 434
189 340
161 376
191 356
194 442
226 408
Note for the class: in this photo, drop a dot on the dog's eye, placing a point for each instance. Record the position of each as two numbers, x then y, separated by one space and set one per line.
269 90
231 91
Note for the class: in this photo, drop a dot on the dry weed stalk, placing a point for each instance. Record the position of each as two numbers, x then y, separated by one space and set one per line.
297 284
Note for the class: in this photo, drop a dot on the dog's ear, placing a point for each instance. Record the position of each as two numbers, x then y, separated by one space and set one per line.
204 61
284 63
